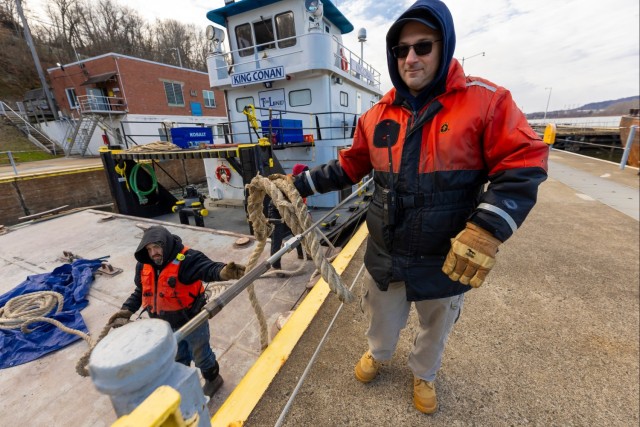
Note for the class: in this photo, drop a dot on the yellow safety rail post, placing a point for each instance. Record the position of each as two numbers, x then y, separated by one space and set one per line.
160 409
549 137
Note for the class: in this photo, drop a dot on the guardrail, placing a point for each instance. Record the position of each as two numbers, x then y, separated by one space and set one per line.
101 104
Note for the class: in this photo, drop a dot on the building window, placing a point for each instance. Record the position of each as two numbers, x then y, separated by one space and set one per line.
245 39
209 99
285 28
174 94
344 99
243 102
301 97
72 98
264 34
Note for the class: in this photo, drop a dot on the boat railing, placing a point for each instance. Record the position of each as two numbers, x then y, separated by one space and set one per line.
321 50
316 127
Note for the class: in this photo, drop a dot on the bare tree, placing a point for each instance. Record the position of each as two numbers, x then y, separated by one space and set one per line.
98 27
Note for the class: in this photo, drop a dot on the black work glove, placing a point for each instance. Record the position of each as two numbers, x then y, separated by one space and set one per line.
232 271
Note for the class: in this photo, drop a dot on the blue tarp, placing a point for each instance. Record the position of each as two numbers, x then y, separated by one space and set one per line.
73 282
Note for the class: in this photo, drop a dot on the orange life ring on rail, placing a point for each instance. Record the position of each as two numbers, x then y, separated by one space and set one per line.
343 61
223 173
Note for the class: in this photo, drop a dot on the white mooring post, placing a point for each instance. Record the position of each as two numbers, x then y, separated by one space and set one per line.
134 360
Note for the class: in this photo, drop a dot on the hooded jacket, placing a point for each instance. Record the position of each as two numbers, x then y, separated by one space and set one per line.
194 267
435 152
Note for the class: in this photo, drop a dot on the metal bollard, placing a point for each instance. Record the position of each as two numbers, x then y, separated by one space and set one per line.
134 360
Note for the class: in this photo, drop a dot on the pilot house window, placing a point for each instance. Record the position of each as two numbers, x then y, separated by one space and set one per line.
285 27
264 34
261 34
245 39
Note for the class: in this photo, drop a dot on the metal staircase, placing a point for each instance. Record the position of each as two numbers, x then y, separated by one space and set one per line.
82 134
36 137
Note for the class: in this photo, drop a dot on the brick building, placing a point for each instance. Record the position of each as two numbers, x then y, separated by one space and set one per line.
123 84
119 99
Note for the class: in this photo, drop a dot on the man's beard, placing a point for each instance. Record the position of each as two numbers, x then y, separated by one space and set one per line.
158 260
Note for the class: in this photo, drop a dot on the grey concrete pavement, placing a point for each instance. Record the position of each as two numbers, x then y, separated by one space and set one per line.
550 339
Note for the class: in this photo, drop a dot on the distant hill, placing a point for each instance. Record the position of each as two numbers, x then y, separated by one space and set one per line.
614 107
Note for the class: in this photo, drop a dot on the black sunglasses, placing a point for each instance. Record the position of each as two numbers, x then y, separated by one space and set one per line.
420 48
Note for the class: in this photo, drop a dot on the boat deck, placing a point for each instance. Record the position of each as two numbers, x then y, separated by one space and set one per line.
552 338
32 390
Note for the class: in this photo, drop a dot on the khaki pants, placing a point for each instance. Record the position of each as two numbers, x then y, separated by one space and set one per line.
388 313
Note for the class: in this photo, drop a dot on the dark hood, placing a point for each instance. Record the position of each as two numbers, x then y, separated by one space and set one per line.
171 245
437 13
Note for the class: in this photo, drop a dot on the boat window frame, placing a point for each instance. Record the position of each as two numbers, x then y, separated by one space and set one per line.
346 99
286 40
265 26
293 104
249 48
244 105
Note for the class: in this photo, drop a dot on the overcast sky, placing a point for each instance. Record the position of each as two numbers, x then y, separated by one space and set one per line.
585 50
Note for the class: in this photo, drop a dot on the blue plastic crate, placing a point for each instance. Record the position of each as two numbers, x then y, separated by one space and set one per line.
284 130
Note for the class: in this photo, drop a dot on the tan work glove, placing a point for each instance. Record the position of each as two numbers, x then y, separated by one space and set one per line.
121 318
472 255
232 271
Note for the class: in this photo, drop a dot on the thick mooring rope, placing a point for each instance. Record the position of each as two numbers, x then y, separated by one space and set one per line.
293 211
21 311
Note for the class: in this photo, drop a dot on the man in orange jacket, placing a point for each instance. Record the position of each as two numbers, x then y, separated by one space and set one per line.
168 282
434 141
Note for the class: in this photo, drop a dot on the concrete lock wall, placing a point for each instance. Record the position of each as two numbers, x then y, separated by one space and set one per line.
21 196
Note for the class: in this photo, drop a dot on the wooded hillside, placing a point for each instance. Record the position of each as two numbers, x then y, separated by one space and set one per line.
76 29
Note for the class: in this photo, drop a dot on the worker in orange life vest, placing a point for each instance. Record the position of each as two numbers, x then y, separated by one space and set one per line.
168 282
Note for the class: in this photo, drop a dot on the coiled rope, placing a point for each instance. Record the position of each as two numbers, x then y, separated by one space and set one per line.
293 211
21 311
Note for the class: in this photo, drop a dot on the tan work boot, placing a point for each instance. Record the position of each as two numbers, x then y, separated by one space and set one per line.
424 396
367 368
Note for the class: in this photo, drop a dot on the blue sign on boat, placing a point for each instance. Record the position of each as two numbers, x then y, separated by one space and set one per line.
191 137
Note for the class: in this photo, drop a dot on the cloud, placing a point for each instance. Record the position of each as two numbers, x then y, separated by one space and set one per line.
587 51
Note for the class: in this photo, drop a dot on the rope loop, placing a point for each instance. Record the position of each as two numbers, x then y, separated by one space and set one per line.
21 309
294 212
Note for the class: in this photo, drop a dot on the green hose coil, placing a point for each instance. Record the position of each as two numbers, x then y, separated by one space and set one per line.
133 178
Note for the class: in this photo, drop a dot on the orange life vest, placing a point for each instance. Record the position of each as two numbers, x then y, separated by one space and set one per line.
169 294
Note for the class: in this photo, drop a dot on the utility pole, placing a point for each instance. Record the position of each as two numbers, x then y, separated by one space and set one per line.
548 99
36 60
